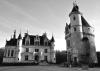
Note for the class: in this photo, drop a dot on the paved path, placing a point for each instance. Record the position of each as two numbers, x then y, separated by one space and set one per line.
43 68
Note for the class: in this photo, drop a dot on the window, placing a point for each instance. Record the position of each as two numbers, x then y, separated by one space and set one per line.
68 43
27 41
5 53
74 18
46 43
74 28
37 40
8 53
45 58
27 49
37 43
46 50
26 57
12 53
36 50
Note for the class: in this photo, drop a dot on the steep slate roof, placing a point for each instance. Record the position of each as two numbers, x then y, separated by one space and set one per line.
32 37
52 39
75 9
11 42
84 22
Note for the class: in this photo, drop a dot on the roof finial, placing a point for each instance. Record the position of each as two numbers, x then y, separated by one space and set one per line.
27 31
52 34
52 39
74 3
14 36
20 31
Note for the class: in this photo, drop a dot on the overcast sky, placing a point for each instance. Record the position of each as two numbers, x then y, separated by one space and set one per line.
39 16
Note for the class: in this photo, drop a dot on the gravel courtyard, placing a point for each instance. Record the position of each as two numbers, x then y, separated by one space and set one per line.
43 68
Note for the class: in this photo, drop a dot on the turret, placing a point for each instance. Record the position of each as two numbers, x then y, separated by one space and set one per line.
76 32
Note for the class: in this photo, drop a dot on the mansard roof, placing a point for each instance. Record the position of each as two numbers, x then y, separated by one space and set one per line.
84 22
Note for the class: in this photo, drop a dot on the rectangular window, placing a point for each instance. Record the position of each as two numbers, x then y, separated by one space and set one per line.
36 50
27 49
68 43
45 50
26 57
5 53
27 41
12 52
74 29
8 53
46 43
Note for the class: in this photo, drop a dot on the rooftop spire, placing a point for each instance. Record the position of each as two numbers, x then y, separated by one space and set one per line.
20 37
75 9
14 36
52 39
27 31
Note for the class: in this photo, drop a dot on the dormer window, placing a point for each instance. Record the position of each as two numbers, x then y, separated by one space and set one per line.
27 41
46 44
37 40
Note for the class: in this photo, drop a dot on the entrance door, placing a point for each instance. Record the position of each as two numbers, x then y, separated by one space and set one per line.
36 57
75 59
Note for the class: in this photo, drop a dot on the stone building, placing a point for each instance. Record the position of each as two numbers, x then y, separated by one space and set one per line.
29 48
75 31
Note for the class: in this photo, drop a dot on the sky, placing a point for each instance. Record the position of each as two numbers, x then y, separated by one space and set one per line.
40 16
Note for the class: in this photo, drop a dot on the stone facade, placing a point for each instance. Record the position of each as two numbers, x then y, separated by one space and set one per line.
74 33
29 48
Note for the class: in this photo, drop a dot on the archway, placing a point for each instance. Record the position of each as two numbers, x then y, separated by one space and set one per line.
37 58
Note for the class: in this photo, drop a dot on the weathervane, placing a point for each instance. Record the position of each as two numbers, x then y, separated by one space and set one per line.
74 3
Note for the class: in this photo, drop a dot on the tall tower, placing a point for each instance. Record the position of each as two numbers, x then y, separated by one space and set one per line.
76 32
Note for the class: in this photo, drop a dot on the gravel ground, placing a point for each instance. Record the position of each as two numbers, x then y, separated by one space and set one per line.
43 68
